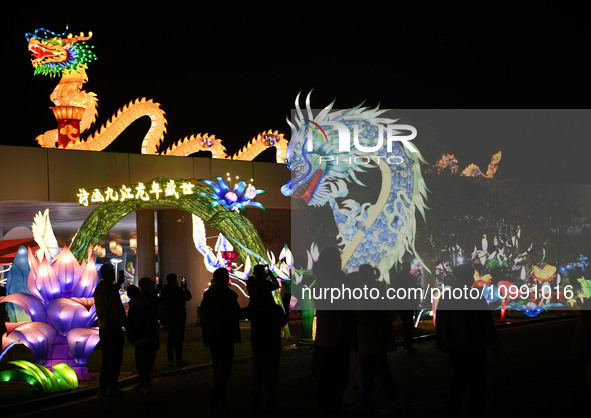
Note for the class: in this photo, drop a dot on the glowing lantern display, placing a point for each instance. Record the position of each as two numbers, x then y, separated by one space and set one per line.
67 56
235 199
68 123
250 192
544 274
481 281
61 377
133 244
505 288
62 312
228 257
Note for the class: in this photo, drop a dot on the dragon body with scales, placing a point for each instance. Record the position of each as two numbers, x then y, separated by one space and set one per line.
377 233
68 57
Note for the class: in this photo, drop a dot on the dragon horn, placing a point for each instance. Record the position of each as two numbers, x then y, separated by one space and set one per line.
308 109
298 109
81 37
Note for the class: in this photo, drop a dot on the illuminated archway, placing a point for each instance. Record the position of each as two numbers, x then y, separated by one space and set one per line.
234 226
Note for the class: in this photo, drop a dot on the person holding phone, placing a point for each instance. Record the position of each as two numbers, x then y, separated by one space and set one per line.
260 282
174 298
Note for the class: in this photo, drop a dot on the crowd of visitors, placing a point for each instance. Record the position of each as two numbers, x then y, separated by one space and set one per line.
350 349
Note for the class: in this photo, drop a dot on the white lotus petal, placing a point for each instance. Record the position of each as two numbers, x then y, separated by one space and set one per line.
271 258
199 237
314 252
44 236
310 261
298 277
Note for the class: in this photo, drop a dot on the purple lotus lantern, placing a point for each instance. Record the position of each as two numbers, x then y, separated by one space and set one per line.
62 312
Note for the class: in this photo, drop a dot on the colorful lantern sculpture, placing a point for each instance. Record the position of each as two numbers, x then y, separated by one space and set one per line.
482 281
68 56
449 161
60 377
544 274
240 196
376 233
62 311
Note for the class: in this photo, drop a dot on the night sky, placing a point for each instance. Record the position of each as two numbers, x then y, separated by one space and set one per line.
235 71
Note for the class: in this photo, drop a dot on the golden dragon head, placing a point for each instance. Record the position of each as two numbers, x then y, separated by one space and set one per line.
53 54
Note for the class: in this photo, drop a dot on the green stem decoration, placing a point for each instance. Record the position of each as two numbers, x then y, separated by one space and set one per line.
230 224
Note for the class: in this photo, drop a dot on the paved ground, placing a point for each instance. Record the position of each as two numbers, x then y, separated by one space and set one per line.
535 376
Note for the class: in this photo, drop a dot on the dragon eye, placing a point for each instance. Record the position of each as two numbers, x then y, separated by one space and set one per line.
298 168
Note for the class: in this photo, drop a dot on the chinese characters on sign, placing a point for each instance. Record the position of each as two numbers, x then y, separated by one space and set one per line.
142 191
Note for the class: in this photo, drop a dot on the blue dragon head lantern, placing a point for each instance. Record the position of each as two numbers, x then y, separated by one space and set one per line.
328 150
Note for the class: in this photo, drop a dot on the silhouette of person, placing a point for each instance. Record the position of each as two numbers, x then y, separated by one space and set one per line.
355 372
376 338
120 278
111 321
464 328
3 319
174 298
3 313
407 306
142 330
220 315
581 345
335 330
259 283
266 320
157 298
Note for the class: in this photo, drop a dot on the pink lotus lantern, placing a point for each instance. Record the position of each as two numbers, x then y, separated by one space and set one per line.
62 312
251 192
231 197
